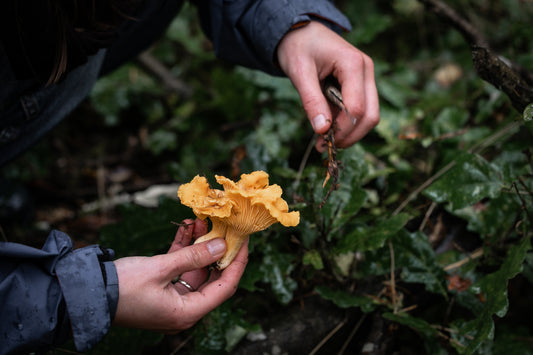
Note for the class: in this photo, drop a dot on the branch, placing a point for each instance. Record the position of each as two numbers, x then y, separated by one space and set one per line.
469 32
510 78
153 66
495 71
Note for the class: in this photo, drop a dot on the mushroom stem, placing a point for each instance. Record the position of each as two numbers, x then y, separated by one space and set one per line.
234 241
218 231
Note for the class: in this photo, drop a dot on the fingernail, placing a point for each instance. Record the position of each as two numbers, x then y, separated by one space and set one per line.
319 122
216 246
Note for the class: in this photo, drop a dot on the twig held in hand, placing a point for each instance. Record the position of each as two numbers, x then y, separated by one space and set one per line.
333 94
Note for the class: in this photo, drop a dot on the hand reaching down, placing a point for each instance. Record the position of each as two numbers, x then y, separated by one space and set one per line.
308 55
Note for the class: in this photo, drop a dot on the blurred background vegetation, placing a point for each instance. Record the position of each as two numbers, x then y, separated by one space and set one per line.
425 246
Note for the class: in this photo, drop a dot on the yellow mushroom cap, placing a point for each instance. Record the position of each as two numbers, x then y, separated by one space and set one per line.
252 191
245 207
205 202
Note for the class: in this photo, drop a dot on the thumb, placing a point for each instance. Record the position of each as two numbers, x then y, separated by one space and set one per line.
190 258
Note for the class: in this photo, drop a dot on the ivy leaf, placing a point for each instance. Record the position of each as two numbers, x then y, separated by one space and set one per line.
418 262
276 268
491 219
344 299
494 289
470 180
374 237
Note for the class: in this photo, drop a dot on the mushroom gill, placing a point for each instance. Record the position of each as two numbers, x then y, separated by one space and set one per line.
245 207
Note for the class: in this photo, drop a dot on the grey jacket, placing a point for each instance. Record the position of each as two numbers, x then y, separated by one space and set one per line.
49 294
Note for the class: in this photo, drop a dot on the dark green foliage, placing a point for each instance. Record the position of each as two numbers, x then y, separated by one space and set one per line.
442 188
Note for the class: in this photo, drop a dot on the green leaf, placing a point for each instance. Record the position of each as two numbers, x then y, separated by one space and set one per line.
162 140
494 289
512 163
276 269
418 263
449 120
145 231
512 341
221 330
528 113
344 299
492 218
373 237
312 257
470 180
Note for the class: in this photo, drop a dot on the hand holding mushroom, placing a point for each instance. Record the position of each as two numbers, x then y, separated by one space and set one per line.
150 299
248 206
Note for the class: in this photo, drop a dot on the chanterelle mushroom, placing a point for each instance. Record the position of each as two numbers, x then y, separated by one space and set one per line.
245 207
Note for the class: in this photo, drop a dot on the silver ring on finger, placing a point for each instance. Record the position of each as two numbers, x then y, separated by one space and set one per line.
184 283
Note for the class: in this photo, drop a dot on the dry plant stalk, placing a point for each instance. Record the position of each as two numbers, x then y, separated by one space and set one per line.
333 94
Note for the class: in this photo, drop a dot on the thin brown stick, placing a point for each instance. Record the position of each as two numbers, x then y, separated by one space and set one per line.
471 33
181 345
428 214
153 66
303 163
474 255
352 334
328 336
332 91
475 149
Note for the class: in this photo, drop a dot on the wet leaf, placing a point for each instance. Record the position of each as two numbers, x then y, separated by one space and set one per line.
469 181
494 288
276 269
528 113
417 261
372 237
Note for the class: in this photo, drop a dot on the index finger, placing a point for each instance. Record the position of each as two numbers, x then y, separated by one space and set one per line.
369 117
352 76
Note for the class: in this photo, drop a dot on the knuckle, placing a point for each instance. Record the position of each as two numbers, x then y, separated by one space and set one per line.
357 109
369 63
311 100
373 120
194 256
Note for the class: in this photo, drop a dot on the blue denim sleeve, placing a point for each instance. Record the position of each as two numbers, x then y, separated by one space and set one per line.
52 293
247 32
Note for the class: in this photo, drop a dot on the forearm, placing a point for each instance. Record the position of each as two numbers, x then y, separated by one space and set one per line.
50 293
248 32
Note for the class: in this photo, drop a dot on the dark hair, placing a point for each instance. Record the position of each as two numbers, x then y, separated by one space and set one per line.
55 36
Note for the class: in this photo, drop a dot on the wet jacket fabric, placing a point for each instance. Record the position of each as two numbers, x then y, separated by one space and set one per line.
50 294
